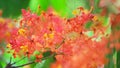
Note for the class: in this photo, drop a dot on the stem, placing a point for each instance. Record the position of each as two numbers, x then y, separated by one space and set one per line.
34 61
60 44
48 56
10 60
18 61
25 64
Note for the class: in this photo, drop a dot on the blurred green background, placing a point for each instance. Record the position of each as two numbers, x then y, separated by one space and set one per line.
12 8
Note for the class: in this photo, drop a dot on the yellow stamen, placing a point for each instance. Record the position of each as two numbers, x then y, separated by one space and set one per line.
9 46
21 31
45 35
24 48
51 35
7 34
2 20
95 18
10 25
75 12
59 66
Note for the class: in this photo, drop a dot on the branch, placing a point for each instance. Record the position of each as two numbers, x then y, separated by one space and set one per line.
25 64
18 61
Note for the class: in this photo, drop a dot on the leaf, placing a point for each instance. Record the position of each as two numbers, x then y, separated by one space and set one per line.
47 54
12 8
118 59
1 65
74 4
60 6
45 63
110 64
96 6
88 25
34 5
7 55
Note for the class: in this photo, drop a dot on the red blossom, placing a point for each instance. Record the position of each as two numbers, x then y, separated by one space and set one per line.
64 37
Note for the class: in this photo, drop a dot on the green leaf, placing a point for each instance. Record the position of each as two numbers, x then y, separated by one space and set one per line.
89 33
96 6
6 61
110 56
12 8
34 5
88 25
118 59
60 6
1 65
45 63
74 4
47 54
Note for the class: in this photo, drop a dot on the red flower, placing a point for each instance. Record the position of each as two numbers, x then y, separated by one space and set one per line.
65 38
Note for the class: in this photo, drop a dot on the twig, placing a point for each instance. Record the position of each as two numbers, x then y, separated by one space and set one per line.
18 61
25 64
10 60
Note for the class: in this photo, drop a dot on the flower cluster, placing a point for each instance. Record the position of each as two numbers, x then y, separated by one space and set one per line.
5 28
37 33
80 50
67 38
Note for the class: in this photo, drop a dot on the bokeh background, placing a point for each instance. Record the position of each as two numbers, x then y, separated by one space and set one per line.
12 9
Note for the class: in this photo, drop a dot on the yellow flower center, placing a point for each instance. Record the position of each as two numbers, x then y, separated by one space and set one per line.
9 46
46 36
21 31
24 48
